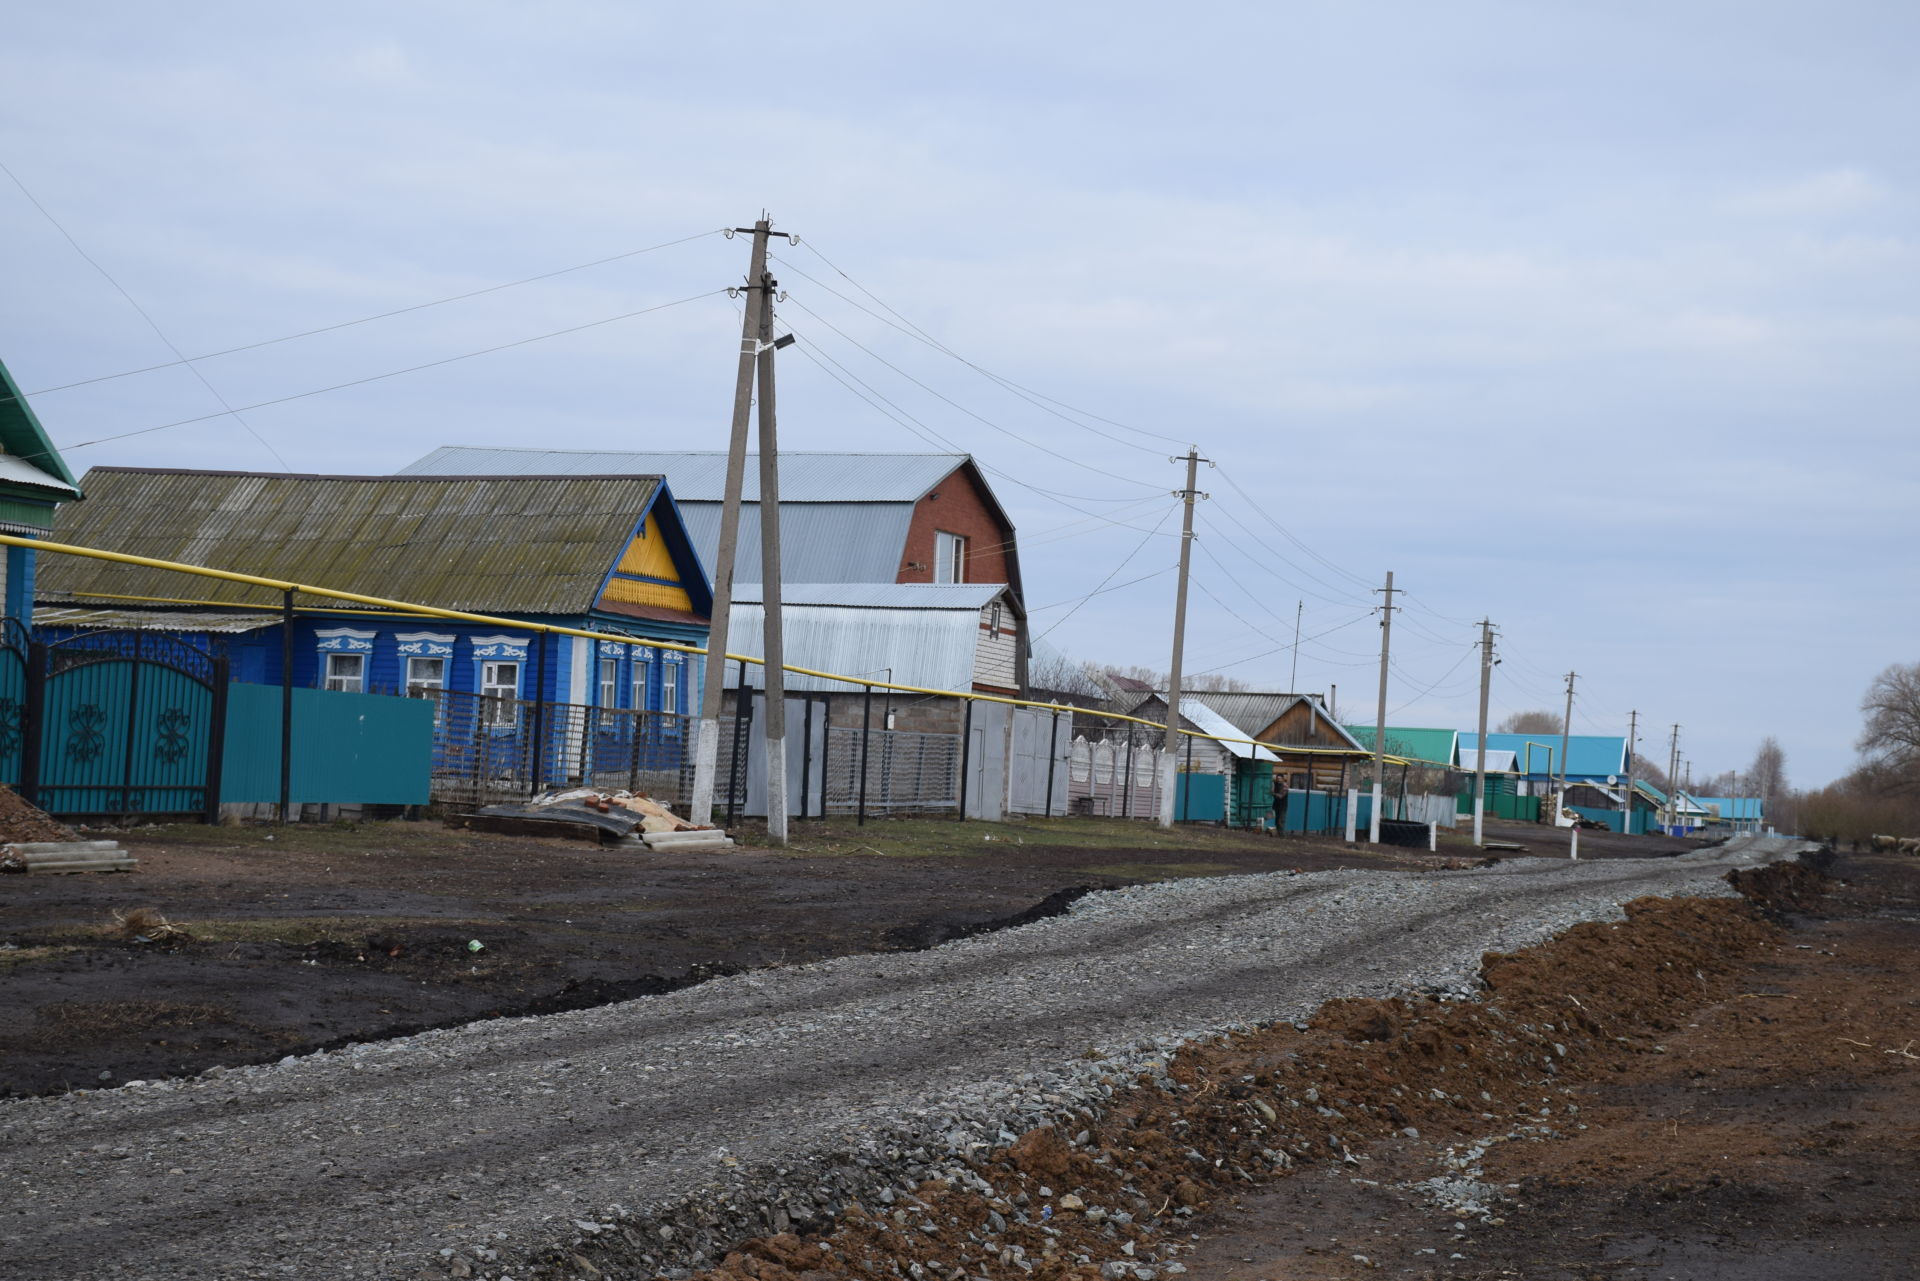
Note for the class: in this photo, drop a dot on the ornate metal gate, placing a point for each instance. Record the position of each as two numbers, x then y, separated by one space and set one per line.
118 723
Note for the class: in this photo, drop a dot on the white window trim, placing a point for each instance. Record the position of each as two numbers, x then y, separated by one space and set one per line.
358 681
949 557
498 710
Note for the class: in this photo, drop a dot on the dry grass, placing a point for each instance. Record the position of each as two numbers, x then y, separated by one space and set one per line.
147 925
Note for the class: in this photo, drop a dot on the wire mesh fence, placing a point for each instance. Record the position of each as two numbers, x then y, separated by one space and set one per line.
490 750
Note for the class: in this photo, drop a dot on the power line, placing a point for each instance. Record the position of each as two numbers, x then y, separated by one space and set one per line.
410 369
1358 618
1443 676
1004 381
1078 600
383 315
980 418
151 322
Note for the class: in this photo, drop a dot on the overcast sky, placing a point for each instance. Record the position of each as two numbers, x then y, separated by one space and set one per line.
1597 320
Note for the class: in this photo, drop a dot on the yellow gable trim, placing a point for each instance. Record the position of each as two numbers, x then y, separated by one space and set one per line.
648 555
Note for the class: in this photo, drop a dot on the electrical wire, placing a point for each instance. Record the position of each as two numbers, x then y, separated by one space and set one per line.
1358 618
937 345
410 369
382 315
1164 569
226 406
980 418
1101 586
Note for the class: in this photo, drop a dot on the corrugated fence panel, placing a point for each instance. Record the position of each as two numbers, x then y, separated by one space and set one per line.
348 749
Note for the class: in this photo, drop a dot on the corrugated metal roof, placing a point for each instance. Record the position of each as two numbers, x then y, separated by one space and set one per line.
1736 808
1588 755
23 438
819 542
22 472
492 544
1207 721
972 597
156 620
930 648
1497 761
700 476
1409 741
1252 713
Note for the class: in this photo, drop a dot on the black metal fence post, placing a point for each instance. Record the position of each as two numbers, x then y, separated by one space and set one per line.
32 714
826 743
966 753
1053 750
537 756
806 755
1126 784
286 706
216 739
742 730
133 715
866 733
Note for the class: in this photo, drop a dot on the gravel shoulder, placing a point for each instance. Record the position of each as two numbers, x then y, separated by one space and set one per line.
509 1137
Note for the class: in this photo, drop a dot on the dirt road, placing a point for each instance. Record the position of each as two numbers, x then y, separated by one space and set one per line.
494 1142
305 937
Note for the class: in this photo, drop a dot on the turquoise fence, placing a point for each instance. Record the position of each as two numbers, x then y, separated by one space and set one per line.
1199 798
348 749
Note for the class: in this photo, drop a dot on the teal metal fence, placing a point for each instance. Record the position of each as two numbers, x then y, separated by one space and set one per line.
350 749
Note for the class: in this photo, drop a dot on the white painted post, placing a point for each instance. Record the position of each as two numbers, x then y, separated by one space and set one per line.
1353 812
1373 819
1433 838
1576 843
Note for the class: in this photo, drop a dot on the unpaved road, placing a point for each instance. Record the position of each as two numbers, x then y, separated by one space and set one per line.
502 1135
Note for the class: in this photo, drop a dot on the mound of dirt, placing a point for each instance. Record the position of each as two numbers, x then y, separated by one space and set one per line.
21 822
1109 1197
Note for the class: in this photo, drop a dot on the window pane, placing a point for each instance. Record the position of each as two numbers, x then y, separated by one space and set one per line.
346 672
670 688
425 674
609 682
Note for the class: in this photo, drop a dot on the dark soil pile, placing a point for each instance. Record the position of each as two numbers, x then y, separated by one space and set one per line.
1107 1201
20 822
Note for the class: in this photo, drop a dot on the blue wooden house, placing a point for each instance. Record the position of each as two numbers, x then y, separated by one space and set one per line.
34 481
601 553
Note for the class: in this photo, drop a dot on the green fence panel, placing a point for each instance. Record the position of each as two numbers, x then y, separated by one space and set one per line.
348 749
1199 798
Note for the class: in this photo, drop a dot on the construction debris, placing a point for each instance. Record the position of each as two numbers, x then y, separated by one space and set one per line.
609 817
66 856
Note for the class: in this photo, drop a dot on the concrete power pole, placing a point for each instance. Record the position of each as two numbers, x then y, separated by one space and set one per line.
1293 680
1480 762
1633 736
1170 765
706 730
773 645
1380 720
1566 736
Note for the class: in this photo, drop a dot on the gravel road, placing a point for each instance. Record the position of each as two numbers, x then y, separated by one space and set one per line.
672 1124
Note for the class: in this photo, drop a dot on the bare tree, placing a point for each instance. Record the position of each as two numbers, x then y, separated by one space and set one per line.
1767 776
1890 739
1053 671
1530 723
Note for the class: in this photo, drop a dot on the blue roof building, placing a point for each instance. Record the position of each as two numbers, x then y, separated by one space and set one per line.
1590 757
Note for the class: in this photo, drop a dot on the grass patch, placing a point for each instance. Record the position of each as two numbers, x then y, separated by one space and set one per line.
318 838
12 956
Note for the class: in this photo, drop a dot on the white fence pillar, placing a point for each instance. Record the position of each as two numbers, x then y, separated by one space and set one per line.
1353 812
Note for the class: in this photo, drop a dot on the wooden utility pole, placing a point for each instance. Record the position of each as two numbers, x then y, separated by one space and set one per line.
773 646
1673 778
1480 763
1633 736
1293 681
1380 719
1566 737
706 730
1169 766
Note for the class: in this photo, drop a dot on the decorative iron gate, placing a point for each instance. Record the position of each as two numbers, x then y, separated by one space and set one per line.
118 723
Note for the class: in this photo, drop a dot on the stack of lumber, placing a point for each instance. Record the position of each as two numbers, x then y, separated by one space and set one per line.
66 856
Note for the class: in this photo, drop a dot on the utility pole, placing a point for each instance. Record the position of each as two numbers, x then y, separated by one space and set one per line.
1673 778
1566 734
1169 767
1293 680
1380 720
1633 736
1480 753
706 731
773 645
